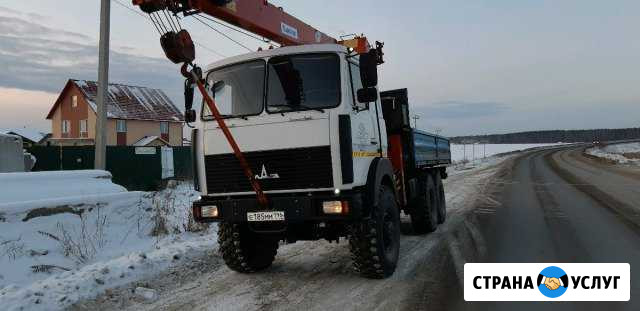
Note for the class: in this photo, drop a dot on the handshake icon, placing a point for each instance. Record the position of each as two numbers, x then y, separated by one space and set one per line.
552 283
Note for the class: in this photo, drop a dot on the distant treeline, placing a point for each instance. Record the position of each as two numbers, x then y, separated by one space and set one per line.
553 136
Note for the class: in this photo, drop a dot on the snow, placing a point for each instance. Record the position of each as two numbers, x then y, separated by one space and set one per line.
53 185
32 135
132 102
471 152
625 153
145 141
318 275
101 240
4 134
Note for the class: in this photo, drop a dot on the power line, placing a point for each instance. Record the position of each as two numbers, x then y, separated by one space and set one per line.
208 49
222 33
248 34
149 18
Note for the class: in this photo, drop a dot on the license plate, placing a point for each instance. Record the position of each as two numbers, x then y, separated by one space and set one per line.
266 216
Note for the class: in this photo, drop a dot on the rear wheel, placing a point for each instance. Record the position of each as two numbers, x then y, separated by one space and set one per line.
424 215
375 242
243 250
442 202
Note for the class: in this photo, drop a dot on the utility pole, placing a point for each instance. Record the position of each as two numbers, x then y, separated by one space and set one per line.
415 121
103 84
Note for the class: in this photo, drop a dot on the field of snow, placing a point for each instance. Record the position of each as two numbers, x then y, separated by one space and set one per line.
626 153
56 251
471 152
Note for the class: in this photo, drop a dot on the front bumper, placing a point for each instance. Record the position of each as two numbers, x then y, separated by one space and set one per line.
298 208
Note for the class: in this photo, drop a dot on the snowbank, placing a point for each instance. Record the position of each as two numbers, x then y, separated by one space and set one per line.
31 186
100 241
626 153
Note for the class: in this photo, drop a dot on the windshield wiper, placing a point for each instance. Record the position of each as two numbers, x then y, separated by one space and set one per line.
291 108
226 116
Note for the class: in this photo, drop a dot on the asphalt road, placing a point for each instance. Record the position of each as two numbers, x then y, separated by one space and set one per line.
559 206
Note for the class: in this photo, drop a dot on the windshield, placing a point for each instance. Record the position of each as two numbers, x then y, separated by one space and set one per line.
238 90
303 82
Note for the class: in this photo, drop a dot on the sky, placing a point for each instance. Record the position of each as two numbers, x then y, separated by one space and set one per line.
471 67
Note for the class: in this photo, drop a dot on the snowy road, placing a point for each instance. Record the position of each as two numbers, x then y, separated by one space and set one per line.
319 276
560 206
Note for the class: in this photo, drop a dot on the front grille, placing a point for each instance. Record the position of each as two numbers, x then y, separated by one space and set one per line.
302 168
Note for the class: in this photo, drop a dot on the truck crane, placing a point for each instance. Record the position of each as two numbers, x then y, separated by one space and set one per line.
297 143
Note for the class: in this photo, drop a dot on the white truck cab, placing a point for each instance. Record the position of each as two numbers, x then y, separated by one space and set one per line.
283 107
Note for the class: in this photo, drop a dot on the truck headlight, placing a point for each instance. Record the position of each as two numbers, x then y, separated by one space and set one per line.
335 207
210 211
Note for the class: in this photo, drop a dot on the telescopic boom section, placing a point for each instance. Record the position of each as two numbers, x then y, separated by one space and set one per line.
257 16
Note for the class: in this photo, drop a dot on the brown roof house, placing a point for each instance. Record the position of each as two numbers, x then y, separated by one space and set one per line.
136 116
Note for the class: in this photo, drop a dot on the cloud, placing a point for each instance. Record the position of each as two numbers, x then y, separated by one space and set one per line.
8 11
18 27
41 58
462 110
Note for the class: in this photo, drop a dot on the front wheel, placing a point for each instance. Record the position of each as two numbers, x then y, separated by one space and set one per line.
243 250
375 242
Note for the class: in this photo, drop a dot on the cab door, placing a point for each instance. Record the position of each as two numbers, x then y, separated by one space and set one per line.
365 138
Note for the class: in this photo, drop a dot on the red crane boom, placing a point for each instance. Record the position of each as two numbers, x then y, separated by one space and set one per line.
257 16
264 19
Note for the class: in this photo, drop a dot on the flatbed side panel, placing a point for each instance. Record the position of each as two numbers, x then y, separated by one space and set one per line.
430 149
444 150
425 148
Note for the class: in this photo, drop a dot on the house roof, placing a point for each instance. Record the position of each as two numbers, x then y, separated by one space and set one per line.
147 140
127 102
32 135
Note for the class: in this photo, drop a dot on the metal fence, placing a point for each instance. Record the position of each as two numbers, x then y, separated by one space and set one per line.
135 168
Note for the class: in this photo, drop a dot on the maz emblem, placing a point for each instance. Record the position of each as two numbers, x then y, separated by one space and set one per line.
264 175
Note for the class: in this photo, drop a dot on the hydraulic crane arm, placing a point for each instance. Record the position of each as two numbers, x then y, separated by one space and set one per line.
264 19
257 16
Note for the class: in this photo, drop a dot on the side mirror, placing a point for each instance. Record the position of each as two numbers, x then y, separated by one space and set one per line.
189 113
367 95
369 68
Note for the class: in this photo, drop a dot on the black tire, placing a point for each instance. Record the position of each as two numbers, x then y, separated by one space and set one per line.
424 215
442 202
375 242
243 250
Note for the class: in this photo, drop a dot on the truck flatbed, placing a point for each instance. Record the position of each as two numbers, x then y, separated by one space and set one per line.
430 149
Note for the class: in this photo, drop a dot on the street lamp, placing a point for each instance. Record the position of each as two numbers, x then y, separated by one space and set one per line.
415 121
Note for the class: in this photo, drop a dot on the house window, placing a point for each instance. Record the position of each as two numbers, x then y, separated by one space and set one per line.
83 128
164 128
74 101
121 126
66 126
